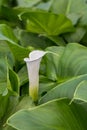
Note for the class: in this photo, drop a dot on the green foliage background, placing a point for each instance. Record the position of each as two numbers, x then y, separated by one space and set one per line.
56 26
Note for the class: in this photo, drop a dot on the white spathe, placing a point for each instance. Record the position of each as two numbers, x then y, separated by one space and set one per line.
33 65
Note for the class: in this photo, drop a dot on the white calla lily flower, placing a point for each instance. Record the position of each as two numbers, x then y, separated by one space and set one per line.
33 65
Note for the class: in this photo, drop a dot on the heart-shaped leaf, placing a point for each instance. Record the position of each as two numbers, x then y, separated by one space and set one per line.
47 23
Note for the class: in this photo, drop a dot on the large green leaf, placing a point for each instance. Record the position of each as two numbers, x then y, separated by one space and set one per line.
77 15
76 61
15 104
7 34
63 70
47 23
66 62
54 115
68 7
66 89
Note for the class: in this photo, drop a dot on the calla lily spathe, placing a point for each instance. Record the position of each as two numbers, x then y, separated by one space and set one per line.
33 65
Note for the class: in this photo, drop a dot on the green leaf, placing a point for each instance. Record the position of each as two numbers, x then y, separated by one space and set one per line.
78 16
80 92
14 80
3 102
52 61
28 39
47 23
62 71
23 75
24 103
12 19
66 89
45 85
84 39
7 34
8 128
57 114
76 62
4 91
66 62
76 36
68 8
4 2
14 104
3 76
8 104
58 40
74 17
6 52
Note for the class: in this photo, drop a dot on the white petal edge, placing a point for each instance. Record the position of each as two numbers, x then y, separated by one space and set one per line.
34 55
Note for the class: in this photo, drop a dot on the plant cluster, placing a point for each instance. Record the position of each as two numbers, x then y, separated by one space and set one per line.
57 29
